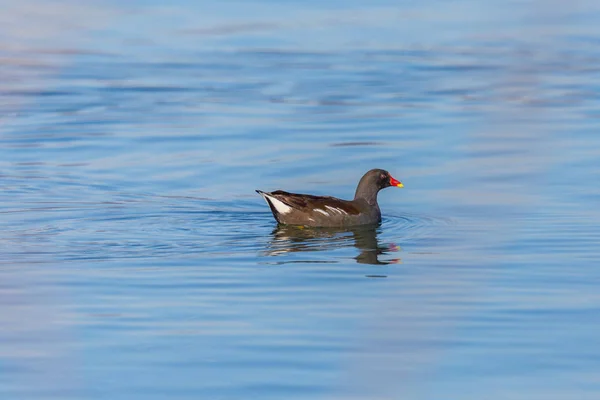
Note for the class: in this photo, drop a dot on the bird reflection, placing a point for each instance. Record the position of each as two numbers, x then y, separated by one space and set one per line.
289 239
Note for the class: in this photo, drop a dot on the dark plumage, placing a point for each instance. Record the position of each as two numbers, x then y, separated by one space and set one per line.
326 211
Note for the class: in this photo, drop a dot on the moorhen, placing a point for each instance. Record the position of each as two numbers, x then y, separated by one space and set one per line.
326 211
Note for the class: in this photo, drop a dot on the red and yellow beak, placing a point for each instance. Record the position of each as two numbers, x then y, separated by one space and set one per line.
395 182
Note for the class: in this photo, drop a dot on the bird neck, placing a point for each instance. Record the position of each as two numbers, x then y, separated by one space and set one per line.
367 192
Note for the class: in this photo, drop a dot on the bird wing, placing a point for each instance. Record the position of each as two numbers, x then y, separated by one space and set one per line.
307 202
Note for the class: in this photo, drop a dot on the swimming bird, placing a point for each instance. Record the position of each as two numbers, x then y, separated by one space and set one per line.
326 211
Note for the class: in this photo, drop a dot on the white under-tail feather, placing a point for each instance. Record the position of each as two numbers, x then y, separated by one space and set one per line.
280 206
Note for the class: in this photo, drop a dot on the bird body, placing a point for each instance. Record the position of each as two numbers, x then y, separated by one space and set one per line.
326 211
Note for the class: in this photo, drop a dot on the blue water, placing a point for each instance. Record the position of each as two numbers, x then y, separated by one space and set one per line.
137 262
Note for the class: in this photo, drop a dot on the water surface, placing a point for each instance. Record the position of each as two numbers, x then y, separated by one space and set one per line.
138 262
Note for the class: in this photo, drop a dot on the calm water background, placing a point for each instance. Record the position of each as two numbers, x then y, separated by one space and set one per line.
138 263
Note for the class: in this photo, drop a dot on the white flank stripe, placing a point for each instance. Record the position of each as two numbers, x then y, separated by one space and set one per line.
321 211
281 207
337 210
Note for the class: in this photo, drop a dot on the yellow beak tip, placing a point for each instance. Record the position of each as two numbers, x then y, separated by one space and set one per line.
400 185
